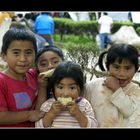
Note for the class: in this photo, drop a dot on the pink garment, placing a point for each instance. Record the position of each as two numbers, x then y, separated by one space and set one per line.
64 119
18 95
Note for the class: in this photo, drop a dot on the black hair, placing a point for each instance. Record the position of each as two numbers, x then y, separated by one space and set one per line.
105 13
54 49
17 33
119 52
67 69
18 25
28 16
20 15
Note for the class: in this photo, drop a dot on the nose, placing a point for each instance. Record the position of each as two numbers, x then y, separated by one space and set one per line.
22 57
122 72
66 93
50 65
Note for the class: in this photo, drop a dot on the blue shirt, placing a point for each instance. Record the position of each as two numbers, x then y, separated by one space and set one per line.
44 24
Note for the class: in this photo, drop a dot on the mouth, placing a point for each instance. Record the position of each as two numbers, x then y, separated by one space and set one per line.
122 82
23 66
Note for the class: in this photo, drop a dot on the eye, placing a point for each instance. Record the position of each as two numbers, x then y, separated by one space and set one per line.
43 64
73 87
29 53
16 53
59 86
116 66
55 62
128 67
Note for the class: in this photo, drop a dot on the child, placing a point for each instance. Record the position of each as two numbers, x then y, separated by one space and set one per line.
66 84
18 83
40 41
48 58
115 97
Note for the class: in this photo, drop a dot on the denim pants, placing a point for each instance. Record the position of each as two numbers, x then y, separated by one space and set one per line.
50 41
105 39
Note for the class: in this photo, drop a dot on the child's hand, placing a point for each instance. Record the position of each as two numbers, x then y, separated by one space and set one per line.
76 112
73 109
56 108
42 81
35 115
112 83
48 73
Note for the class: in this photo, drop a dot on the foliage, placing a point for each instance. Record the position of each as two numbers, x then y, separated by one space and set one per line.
68 26
138 30
84 54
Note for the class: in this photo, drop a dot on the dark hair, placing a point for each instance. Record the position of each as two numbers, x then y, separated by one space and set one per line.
67 69
20 15
105 13
119 52
17 33
18 25
28 16
54 49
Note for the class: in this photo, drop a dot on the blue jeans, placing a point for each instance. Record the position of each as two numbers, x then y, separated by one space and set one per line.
50 41
105 39
48 38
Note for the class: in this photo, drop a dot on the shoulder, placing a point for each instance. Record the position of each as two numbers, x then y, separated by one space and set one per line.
134 89
3 77
47 105
5 83
95 81
109 18
84 103
32 72
94 86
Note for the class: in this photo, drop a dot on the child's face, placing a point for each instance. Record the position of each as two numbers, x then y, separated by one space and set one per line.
48 60
20 57
67 87
123 71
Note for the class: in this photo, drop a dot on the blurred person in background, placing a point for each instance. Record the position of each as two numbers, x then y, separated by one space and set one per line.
44 26
105 24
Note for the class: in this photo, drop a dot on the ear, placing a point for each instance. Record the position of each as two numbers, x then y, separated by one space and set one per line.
3 57
108 73
106 66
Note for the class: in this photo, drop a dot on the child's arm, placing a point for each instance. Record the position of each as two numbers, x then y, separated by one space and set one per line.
8 117
80 116
124 100
53 112
86 117
41 98
42 91
52 108
42 87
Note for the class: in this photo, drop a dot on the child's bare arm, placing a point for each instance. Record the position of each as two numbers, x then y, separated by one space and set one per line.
53 112
112 83
76 112
18 117
42 91
41 98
